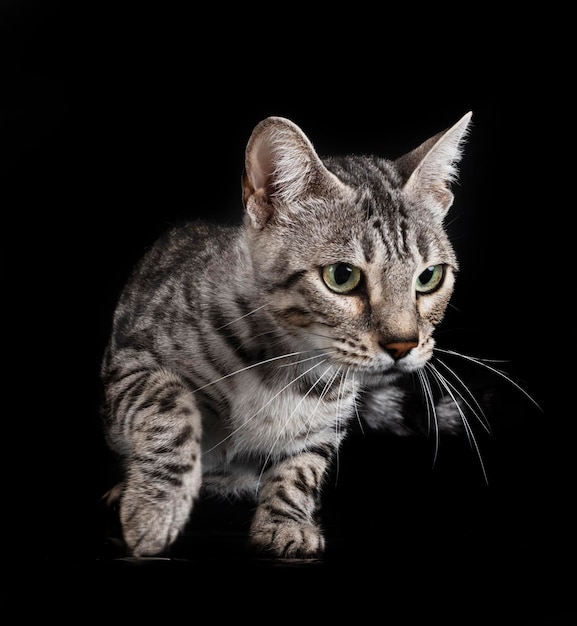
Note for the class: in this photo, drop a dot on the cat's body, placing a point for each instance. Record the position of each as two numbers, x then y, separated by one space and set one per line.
239 355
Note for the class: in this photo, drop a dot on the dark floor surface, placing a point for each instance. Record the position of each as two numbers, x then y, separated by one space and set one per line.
408 541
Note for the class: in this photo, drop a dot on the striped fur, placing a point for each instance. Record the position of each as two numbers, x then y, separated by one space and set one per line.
233 366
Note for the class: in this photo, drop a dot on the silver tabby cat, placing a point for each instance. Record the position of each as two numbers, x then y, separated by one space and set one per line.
240 354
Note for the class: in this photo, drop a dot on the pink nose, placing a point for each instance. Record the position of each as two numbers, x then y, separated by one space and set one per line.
399 349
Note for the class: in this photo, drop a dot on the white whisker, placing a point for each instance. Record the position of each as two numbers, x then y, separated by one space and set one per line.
323 393
356 407
328 385
264 334
431 410
316 356
316 334
263 407
340 393
269 455
337 456
468 430
241 317
248 367
481 417
484 363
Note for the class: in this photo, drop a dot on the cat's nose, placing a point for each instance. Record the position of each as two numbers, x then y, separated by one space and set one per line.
399 349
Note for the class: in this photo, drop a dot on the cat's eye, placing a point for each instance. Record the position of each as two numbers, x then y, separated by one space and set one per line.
430 279
341 277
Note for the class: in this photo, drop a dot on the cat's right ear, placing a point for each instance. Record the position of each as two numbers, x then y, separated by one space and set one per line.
282 169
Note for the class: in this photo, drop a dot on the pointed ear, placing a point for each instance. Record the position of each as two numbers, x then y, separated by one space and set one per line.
430 169
281 169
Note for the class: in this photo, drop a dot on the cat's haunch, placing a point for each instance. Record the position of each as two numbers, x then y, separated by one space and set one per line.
240 354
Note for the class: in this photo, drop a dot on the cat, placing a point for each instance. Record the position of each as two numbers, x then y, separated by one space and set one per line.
239 355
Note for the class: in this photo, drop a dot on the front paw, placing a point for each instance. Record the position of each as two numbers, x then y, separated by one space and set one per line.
287 539
149 527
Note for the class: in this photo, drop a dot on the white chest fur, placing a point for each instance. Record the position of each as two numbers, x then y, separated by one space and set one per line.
276 420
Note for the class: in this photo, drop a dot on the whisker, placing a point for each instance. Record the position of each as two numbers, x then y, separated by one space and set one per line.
338 421
241 317
356 407
276 395
323 393
456 217
477 359
468 430
316 334
429 397
479 415
248 367
328 385
264 334
269 455
431 410
316 356
484 363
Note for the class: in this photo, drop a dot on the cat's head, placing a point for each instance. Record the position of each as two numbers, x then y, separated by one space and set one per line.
350 253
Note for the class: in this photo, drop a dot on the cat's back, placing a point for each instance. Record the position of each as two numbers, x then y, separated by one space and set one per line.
175 275
184 253
188 246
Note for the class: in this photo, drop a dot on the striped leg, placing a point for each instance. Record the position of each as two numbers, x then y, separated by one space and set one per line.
163 471
284 523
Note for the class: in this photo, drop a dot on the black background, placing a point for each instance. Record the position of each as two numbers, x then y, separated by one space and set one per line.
118 121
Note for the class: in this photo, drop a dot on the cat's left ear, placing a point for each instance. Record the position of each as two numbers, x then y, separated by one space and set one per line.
430 169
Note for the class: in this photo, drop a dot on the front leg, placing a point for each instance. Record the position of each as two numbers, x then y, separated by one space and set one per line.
284 523
158 427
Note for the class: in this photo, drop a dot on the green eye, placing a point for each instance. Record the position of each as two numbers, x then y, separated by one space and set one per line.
430 279
341 277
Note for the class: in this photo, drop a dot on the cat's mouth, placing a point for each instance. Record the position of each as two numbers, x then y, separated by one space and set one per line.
397 359
379 364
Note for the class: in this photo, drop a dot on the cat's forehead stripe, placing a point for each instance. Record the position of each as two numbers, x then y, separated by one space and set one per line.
367 245
378 186
365 171
423 244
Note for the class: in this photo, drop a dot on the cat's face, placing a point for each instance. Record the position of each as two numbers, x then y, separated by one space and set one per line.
350 254
364 275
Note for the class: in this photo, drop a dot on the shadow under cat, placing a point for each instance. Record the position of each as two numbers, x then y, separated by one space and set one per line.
425 522
424 491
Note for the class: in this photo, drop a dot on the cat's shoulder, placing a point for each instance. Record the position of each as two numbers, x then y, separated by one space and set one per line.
195 235
172 250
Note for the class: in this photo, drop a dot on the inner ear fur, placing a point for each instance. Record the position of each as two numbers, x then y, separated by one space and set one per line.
282 169
430 169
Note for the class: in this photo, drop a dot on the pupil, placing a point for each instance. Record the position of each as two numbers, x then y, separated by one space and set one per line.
342 273
426 276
